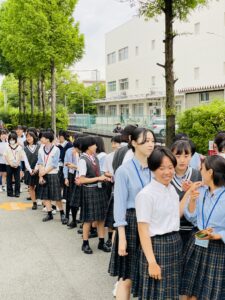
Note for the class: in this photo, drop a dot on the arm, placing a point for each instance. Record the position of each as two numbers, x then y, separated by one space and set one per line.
191 195
146 244
27 165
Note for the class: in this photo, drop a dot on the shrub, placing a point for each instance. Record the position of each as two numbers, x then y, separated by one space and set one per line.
202 123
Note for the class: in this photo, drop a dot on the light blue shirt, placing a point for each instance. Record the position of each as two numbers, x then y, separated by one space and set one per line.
54 158
195 162
217 220
69 158
127 186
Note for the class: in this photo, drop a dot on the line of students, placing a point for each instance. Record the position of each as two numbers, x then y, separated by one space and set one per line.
156 255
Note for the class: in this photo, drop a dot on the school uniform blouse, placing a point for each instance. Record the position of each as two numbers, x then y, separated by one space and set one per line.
217 219
70 158
127 185
16 155
158 205
107 166
49 158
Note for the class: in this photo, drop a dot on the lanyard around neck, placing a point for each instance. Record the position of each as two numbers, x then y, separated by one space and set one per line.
214 206
139 176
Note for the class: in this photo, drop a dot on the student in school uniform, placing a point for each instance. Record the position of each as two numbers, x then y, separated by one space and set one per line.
94 197
183 177
204 256
31 151
219 142
3 147
13 156
130 178
69 170
158 216
64 145
49 186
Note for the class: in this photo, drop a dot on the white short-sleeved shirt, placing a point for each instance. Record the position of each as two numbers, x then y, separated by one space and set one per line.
129 155
107 166
158 206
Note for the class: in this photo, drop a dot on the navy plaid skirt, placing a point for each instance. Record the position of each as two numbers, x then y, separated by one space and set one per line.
125 266
76 196
204 271
168 253
109 220
61 176
30 180
51 190
93 204
67 190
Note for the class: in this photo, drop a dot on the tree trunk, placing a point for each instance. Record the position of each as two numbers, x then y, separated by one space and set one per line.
32 101
43 96
53 96
39 94
20 98
169 74
24 99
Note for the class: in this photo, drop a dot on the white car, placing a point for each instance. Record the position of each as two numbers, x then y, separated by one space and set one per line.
159 127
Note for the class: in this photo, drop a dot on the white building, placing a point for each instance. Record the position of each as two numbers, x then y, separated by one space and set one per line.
135 84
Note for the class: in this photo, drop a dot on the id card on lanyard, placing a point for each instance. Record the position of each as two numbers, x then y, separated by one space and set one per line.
139 176
205 243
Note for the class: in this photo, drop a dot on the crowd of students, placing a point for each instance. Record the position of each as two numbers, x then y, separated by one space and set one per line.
163 209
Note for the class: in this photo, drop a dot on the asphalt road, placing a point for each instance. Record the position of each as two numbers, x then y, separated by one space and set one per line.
44 261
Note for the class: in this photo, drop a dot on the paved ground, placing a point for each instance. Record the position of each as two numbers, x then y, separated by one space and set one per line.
44 261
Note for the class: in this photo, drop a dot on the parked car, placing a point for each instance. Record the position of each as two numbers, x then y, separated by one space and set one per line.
159 127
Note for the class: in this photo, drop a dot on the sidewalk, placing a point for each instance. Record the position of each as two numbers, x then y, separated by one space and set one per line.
44 261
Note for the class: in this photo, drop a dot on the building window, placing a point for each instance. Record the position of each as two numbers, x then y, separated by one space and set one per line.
153 45
101 110
204 96
136 50
153 80
112 110
196 73
111 58
138 109
124 84
123 53
197 28
136 83
112 86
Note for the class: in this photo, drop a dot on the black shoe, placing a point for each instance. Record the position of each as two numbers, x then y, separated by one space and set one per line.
104 247
87 249
34 207
10 195
47 218
72 224
109 243
64 220
80 231
17 195
28 199
93 234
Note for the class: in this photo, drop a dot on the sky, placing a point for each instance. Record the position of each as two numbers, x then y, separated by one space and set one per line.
97 17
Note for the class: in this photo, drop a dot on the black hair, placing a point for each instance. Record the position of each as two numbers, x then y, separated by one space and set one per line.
48 135
32 129
4 131
217 164
50 130
116 139
137 133
184 137
12 136
19 127
100 144
77 143
24 128
34 136
86 142
156 158
219 140
64 134
180 147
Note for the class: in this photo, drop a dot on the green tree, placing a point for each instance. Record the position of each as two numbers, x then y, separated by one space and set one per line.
172 10
205 120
